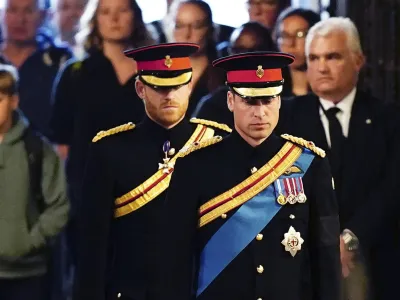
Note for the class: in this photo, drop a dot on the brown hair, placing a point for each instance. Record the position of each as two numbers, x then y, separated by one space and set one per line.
89 35
8 80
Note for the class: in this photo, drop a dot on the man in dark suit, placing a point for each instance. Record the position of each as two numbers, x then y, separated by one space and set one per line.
357 131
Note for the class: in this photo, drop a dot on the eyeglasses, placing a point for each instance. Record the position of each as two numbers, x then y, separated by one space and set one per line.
200 25
287 39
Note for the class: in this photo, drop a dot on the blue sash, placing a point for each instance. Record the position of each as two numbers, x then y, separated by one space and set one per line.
240 229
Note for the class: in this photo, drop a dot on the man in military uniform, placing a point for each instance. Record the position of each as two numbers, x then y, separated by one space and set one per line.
128 171
254 216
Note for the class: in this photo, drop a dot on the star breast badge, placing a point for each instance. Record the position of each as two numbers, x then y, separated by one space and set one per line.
292 241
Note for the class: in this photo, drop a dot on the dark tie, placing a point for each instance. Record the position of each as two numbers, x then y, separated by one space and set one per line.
337 140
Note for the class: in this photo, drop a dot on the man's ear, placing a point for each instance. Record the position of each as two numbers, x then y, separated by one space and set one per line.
140 89
190 85
359 60
230 101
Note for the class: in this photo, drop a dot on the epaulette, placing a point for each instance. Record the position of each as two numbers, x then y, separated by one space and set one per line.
212 124
199 145
304 143
112 131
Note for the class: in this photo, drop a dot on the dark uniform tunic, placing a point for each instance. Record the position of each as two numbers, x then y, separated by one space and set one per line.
313 273
88 97
117 256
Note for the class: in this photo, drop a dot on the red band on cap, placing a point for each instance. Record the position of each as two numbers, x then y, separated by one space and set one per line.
179 63
251 76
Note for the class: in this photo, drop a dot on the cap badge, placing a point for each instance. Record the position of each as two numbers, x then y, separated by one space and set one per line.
260 72
168 61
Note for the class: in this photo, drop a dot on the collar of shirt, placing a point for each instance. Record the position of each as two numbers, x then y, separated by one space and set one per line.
344 115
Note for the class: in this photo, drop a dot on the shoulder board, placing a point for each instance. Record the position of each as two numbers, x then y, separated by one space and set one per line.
212 124
304 143
199 145
112 131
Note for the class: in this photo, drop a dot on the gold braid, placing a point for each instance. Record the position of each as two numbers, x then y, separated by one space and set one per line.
199 145
304 143
112 131
212 124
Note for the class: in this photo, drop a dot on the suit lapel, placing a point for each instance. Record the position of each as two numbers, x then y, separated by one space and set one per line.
356 152
360 121
316 125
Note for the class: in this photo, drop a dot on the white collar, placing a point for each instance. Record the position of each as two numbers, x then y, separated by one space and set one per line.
345 104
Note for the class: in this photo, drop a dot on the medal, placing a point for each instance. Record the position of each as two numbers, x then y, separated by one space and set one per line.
166 166
301 197
280 197
291 199
292 241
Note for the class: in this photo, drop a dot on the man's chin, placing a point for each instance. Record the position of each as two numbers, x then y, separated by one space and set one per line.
261 133
170 119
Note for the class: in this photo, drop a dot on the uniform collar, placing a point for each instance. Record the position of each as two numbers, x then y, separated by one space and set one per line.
177 135
266 149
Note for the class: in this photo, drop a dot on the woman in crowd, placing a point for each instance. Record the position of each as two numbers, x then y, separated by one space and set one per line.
98 92
290 33
192 22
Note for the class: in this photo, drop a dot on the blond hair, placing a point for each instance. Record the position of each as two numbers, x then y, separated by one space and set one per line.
8 80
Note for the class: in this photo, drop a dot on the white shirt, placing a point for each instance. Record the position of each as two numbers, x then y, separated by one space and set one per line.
343 116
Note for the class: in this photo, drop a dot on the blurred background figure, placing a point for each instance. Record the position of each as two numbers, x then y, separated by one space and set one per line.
65 19
97 92
34 205
357 132
193 23
158 26
164 30
36 56
290 33
265 11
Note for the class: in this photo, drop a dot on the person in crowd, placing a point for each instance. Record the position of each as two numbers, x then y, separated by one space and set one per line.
65 20
356 130
266 11
290 34
96 92
164 31
193 23
36 56
34 205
